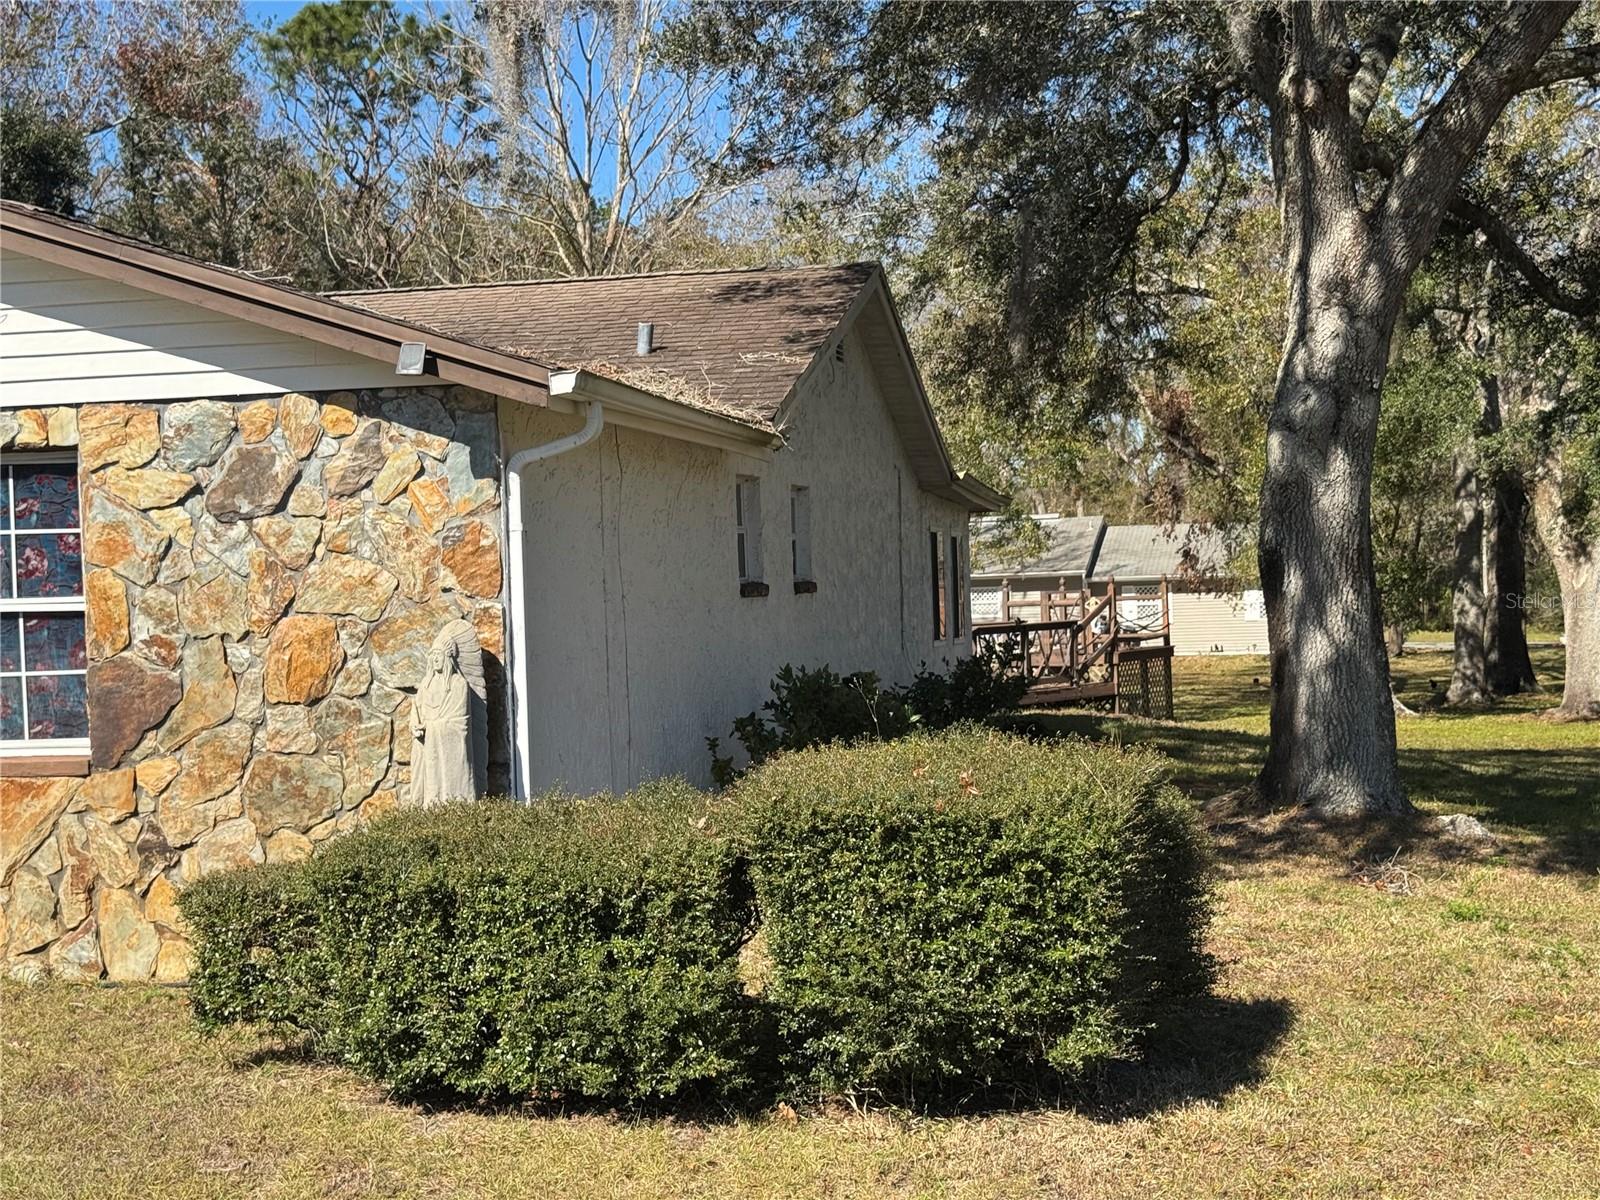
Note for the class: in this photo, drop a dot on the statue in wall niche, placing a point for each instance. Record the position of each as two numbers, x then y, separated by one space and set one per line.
449 721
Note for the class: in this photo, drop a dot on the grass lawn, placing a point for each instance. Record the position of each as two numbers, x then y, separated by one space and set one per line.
1416 1025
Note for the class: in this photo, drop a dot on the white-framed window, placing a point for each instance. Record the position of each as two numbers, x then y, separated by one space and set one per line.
43 652
747 522
800 532
936 566
954 602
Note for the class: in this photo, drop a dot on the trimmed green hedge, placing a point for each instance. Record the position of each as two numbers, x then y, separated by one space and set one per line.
941 913
948 912
568 948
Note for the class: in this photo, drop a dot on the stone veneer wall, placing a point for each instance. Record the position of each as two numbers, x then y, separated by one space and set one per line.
262 580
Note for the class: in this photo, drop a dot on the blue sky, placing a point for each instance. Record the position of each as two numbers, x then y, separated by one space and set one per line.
265 12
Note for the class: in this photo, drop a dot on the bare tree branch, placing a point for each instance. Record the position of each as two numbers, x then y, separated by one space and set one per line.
1377 55
1564 65
1425 177
1506 247
602 141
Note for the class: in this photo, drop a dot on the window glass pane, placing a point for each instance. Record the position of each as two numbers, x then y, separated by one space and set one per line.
955 586
54 642
10 643
748 492
800 531
49 564
57 706
10 707
46 495
5 499
5 566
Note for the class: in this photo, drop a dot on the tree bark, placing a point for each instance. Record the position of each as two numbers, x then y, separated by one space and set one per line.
1332 744
1469 667
1509 668
1577 563
1394 639
1333 738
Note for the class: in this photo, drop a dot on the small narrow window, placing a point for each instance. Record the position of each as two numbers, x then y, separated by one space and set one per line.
955 586
43 656
800 533
747 521
936 566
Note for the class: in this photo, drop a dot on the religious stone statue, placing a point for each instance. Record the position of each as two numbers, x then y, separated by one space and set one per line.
449 726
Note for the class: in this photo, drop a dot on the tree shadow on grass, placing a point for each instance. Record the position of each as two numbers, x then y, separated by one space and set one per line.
1215 1046
1553 794
1206 761
1548 799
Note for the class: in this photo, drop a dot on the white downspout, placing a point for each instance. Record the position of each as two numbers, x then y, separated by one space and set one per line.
522 725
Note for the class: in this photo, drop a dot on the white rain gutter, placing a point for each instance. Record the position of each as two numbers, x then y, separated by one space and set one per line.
521 719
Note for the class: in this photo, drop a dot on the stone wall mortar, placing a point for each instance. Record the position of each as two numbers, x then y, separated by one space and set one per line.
262 579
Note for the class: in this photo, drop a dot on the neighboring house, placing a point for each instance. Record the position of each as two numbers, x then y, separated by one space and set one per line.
1061 568
231 523
1209 612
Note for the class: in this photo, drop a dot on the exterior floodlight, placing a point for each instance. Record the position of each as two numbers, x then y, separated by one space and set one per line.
412 356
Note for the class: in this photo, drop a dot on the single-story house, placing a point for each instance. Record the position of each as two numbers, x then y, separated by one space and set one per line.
233 515
1061 568
1210 612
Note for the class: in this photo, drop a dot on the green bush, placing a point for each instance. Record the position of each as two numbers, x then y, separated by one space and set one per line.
975 689
819 707
812 708
571 948
948 912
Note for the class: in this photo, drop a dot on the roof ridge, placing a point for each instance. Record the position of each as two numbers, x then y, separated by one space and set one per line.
677 272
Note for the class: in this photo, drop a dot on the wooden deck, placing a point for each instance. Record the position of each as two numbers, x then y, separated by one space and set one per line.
1089 654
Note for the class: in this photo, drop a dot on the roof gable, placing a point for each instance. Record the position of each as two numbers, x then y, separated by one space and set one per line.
735 342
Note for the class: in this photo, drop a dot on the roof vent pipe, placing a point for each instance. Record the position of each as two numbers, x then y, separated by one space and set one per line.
646 343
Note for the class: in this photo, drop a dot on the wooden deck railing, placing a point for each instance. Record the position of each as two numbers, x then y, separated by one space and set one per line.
1087 656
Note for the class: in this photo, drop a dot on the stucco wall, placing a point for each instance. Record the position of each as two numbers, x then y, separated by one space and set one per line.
640 643
262 581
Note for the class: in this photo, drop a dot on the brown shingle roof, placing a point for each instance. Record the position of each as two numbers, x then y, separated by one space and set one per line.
735 340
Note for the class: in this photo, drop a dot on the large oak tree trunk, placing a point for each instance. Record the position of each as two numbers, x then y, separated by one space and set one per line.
1577 563
1469 666
1333 738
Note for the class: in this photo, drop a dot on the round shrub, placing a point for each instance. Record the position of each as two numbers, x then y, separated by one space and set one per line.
568 948
951 911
